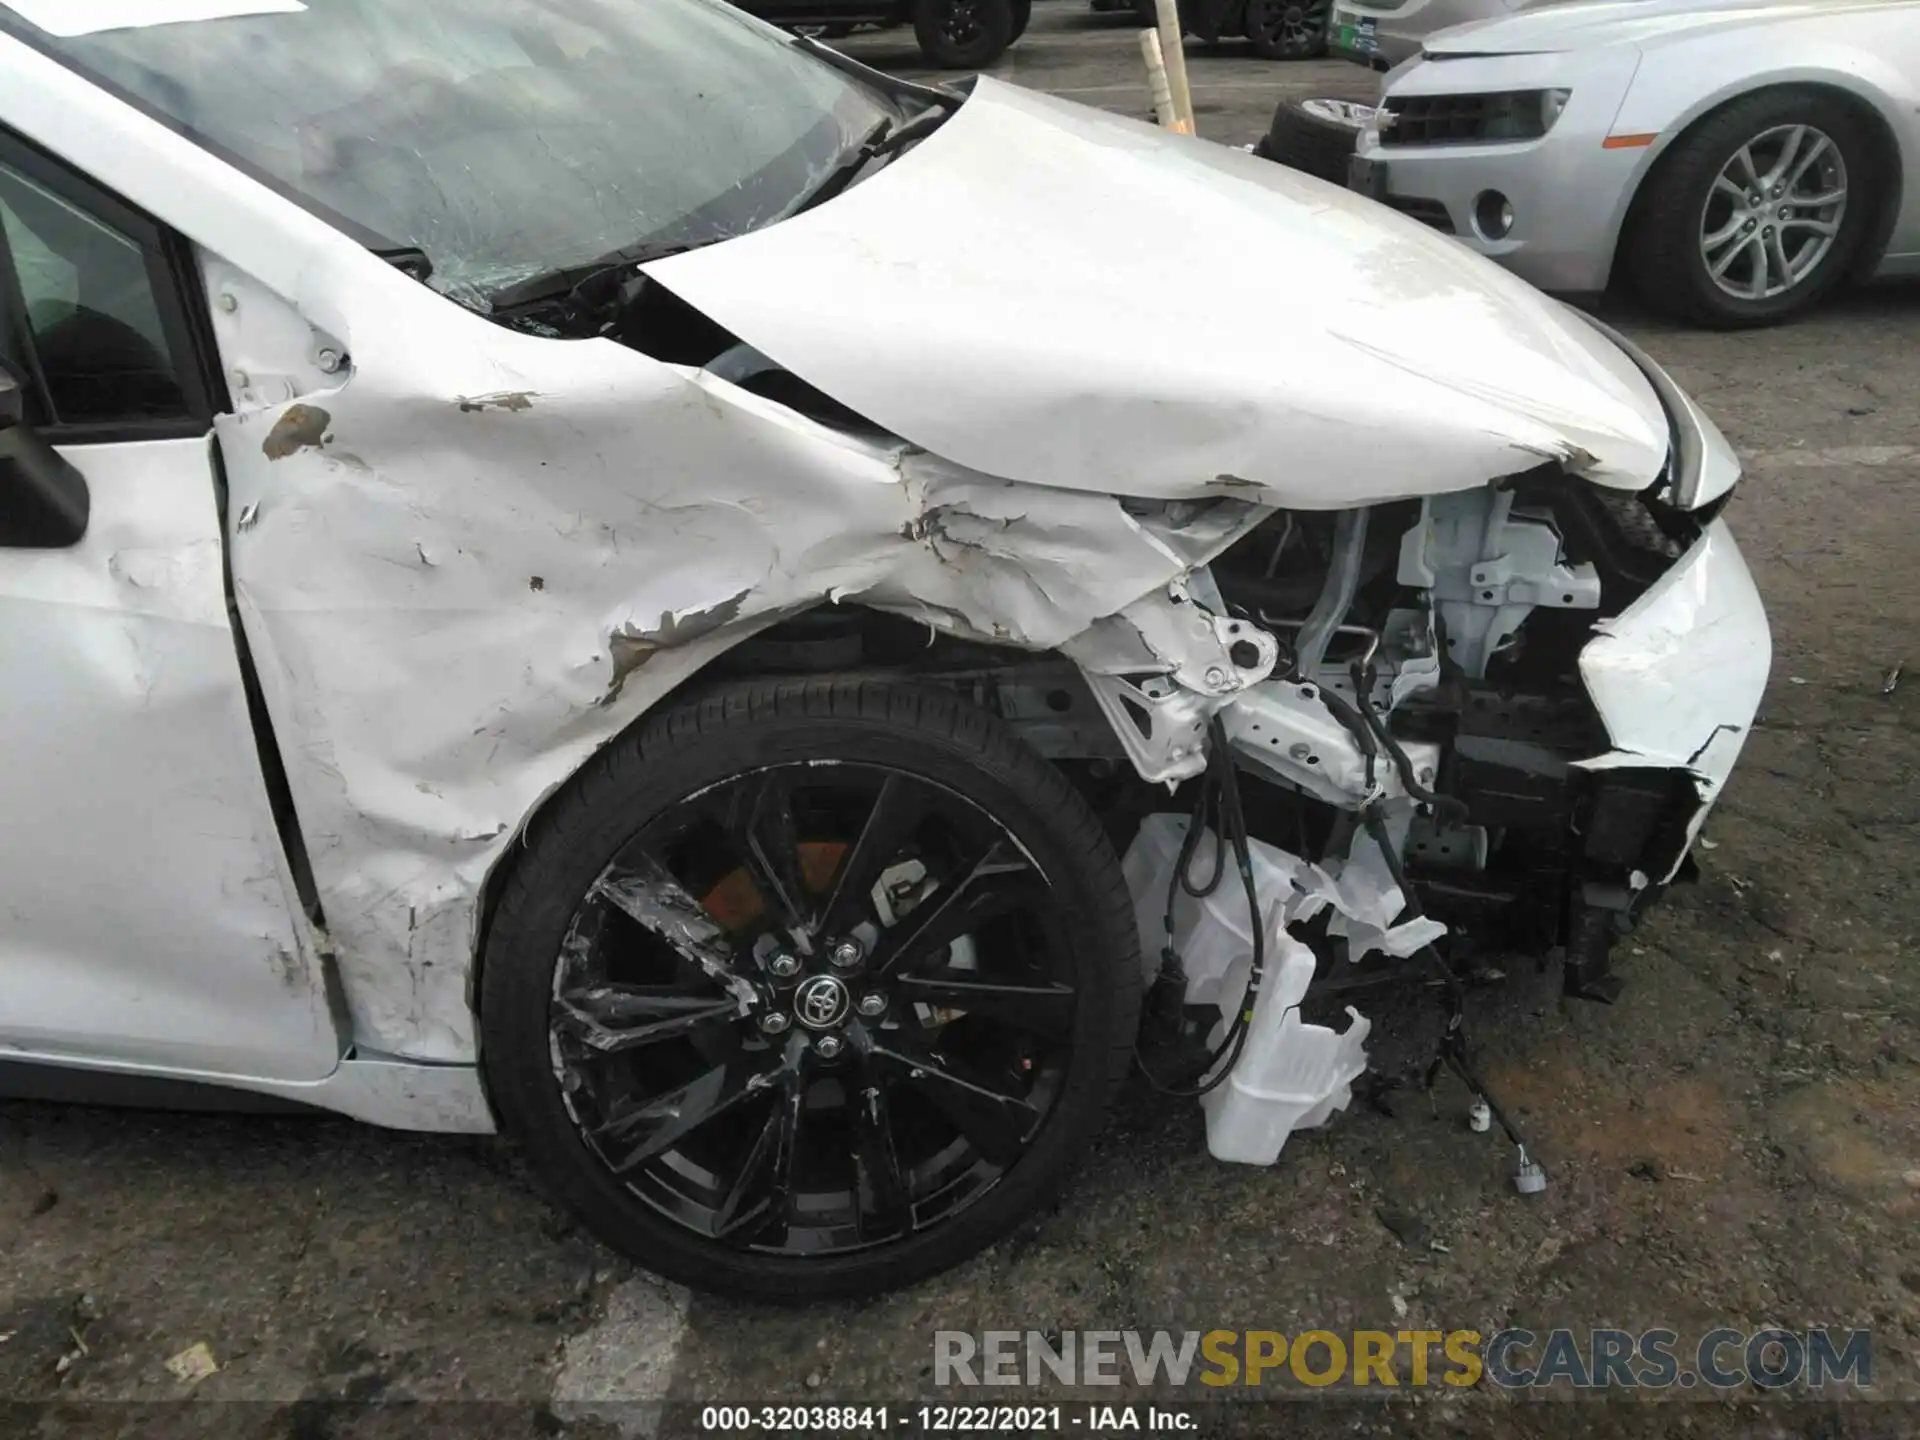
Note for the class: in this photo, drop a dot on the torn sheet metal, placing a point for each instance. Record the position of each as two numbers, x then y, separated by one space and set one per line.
1678 676
1290 1075
1161 668
453 600
1000 295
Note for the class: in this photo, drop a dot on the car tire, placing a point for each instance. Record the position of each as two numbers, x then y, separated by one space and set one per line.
1677 236
1317 137
1022 17
963 34
1061 896
1288 29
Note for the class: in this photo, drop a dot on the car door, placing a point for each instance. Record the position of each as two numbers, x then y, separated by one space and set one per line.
148 919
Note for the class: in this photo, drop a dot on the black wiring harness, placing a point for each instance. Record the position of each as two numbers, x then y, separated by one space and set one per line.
1218 807
1218 802
1365 724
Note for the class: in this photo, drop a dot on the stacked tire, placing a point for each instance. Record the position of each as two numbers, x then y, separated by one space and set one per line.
1316 137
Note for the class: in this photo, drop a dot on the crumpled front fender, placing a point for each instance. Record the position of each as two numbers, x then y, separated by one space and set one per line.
485 554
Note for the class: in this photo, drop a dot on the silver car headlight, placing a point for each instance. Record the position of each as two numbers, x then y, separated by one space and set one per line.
1471 119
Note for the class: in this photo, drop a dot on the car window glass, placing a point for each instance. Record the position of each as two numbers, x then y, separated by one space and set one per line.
90 310
505 138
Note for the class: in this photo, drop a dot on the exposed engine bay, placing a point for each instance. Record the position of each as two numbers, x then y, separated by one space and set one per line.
1400 689
1424 654
1412 774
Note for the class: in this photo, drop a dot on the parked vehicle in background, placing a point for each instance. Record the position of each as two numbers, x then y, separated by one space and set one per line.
953 34
1279 29
1382 33
1319 136
1737 160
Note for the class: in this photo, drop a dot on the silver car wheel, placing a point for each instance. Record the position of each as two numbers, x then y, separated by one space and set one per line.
1774 212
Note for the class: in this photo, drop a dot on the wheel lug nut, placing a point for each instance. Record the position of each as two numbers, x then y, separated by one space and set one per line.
847 954
827 1047
773 1022
872 1003
783 966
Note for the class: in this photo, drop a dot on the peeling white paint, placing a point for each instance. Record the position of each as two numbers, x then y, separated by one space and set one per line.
484 553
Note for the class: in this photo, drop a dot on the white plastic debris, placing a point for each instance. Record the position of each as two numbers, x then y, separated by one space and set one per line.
1290 1075
1480 1117
1360 889
193 1364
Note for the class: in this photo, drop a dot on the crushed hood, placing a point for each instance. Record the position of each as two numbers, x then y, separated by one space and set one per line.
1047 293
1638 23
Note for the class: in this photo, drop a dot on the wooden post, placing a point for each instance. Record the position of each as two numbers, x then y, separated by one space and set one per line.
1173 53
1157 85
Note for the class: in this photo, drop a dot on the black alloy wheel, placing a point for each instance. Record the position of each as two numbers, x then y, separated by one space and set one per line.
829 1018
1288 29
963 34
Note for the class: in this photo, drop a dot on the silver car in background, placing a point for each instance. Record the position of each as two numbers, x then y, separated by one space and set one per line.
1737 160
1382 33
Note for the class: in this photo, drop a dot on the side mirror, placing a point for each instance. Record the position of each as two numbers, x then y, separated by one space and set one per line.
43 499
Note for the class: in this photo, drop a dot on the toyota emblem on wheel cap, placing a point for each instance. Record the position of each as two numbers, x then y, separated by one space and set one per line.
821 1002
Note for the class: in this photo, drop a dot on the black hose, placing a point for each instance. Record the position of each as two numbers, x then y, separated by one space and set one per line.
1221 789
1355 725
1377 828
1363 680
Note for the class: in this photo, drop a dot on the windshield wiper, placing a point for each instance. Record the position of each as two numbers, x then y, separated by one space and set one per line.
409 260
944 96
570 280
884 139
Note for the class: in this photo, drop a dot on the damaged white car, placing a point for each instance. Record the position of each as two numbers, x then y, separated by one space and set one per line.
598 570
